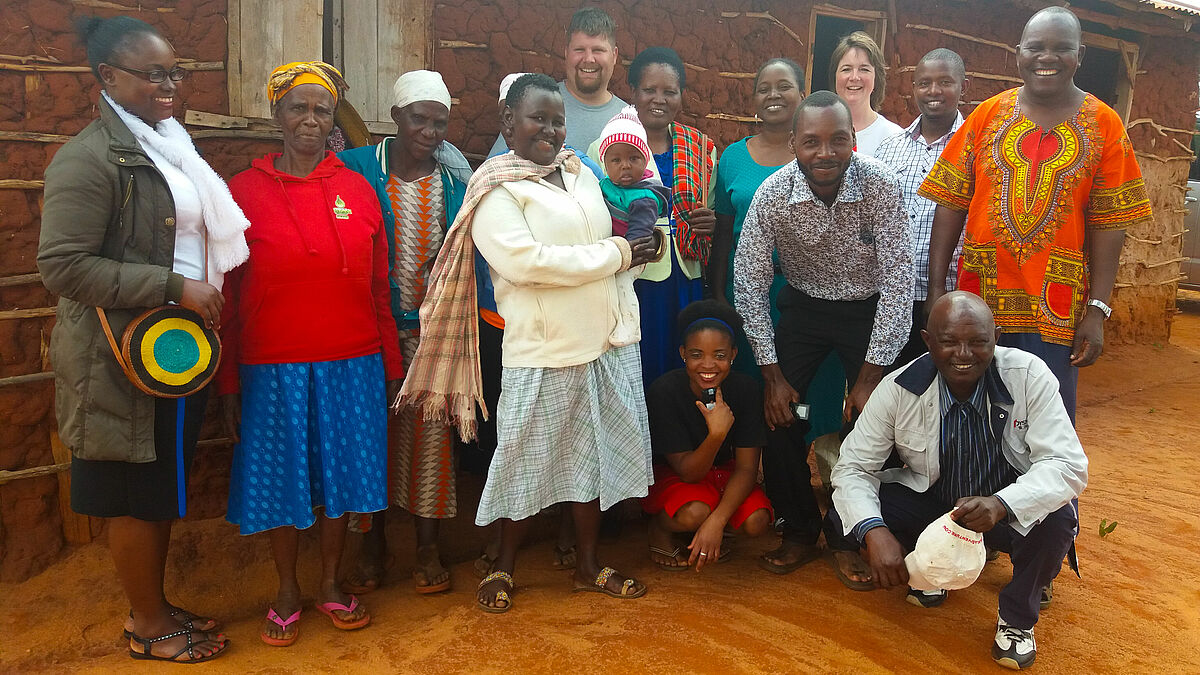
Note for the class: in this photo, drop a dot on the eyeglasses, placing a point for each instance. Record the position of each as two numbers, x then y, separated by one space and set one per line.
157 75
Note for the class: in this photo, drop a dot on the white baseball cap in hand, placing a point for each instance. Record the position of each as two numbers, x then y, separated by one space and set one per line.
947 557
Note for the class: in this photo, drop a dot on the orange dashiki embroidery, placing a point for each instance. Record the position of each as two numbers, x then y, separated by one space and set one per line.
1031 195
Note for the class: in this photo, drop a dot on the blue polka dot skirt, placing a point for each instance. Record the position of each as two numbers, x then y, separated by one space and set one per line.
313 435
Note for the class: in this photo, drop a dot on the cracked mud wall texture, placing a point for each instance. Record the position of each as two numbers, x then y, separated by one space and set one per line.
63 103
478 42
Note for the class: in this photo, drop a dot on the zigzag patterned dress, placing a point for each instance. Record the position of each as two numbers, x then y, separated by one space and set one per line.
421 464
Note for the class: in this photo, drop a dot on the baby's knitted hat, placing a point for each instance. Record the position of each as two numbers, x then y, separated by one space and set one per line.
625 127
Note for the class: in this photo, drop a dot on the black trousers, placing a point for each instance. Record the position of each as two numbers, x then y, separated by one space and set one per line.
1036 557
808 330
476 456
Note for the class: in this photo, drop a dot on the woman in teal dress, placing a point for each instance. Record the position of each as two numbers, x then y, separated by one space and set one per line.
743 167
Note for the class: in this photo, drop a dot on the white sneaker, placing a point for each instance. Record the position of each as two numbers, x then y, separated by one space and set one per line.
1013 647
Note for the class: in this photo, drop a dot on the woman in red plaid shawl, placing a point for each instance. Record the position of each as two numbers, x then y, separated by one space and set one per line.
685 159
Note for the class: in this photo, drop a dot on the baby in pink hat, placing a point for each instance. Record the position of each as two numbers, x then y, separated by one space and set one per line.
635 195
636 198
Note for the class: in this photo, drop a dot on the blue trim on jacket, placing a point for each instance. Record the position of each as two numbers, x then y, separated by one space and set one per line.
917 378
919 375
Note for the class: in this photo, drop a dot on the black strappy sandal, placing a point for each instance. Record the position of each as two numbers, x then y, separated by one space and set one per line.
148 655
187 622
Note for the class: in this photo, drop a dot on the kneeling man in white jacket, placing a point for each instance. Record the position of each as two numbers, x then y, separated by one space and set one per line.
973 428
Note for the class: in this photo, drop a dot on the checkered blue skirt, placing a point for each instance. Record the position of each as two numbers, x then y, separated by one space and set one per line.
569 435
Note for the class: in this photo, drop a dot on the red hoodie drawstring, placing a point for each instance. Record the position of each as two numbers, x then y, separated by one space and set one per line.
295 221
333 224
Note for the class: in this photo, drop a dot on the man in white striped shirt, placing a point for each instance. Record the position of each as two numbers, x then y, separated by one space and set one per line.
938 82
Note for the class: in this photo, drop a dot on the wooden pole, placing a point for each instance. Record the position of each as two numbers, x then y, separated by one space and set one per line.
30 377
21 474
43 68
18 184
973 74
1176 158
962 36
20 280
36 313
460 44
103 4
769 17
77 528
259 134
47 68
731 118
197 118
31 57
33 137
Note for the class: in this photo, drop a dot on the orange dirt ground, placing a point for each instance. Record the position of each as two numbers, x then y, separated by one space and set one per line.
1137 608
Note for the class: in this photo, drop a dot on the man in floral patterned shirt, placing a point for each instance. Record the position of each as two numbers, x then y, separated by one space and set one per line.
838 223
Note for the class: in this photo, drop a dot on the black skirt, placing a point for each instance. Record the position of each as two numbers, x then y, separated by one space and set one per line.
146 491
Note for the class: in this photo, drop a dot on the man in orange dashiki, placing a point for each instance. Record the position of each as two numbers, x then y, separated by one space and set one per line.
1045 179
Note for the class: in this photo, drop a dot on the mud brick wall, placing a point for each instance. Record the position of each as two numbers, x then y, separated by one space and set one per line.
481 41
63 103
1148 277
477 43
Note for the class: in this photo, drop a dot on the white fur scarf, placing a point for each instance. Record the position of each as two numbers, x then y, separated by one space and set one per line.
223 218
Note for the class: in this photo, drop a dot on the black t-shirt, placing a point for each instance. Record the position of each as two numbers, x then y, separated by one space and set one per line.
676 425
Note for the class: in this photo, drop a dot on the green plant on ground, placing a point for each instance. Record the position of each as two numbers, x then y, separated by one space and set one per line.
1107 527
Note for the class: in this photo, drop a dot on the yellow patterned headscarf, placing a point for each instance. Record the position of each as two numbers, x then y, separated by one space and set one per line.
291 75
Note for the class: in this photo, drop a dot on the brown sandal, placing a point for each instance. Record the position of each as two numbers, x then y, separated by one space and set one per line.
501 595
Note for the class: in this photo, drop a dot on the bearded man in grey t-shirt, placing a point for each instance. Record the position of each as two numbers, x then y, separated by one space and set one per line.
591 55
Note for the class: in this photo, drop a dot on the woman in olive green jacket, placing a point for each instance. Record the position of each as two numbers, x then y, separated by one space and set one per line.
127 226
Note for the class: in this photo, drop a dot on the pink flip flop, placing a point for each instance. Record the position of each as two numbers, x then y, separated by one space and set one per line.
282 623
329 608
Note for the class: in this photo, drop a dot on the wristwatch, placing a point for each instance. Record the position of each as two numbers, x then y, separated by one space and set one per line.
1102 306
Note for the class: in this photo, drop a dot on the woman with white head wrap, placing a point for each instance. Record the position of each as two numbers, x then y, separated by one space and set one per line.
420 180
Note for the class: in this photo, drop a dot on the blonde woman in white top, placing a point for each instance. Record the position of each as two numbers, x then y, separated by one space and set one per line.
859 75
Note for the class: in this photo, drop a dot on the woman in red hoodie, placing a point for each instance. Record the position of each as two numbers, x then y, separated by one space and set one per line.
310 343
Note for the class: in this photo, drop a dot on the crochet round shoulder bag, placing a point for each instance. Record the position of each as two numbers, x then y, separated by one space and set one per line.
166 351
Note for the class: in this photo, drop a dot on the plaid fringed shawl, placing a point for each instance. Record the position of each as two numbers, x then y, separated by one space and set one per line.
692 155
443 377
